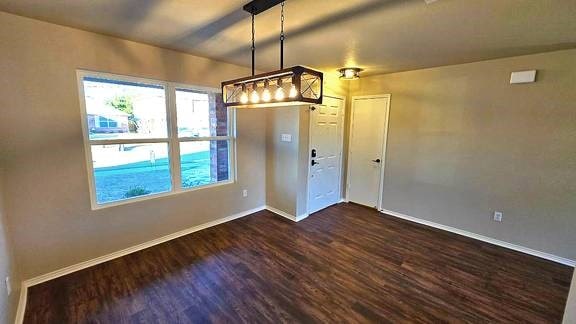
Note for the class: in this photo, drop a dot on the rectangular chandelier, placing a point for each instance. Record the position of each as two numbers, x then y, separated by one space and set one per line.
290 86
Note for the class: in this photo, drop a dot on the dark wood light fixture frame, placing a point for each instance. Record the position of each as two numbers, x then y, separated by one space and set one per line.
296 73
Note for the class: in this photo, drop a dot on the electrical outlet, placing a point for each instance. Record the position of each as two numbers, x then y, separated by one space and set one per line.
498 216
244 193
8 286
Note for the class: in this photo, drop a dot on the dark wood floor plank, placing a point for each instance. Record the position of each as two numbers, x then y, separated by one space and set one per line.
346 263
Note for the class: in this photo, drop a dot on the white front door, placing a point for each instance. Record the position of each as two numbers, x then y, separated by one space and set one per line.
366 152
325 152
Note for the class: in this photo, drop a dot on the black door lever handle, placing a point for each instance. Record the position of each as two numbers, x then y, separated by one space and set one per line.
377 160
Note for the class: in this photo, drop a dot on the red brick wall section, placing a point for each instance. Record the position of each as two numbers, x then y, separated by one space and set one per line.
218 149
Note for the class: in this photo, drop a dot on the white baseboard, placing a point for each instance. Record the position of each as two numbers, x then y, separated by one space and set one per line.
90 263
301 217
286 215
483 238
21 304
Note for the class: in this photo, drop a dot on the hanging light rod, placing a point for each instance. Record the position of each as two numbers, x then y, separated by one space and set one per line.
258 6
295 85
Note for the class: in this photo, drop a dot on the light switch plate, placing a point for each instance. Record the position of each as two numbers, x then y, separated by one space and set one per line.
498 216
8 286
523 77
286 138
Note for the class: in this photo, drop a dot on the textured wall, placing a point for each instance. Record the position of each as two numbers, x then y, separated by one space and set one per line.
463 142
41 144
282 158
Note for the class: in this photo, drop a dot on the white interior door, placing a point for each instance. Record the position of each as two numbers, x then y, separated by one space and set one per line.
366 152
325 151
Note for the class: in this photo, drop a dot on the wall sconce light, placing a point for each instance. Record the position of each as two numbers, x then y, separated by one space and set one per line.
350 73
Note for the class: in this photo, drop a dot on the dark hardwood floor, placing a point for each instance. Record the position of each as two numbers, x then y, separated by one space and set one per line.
346 263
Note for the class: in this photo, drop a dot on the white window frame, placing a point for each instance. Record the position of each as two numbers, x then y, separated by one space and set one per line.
172 139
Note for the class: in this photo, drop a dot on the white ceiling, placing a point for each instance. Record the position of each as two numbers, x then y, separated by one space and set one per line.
379 35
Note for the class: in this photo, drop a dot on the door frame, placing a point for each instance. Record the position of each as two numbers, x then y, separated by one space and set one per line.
341 145
384 143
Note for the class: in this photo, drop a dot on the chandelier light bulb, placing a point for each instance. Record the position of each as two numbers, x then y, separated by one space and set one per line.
266 96
254 97
244 96
279 94
293 92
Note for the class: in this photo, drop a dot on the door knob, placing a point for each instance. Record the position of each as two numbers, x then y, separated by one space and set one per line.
377 160
314 163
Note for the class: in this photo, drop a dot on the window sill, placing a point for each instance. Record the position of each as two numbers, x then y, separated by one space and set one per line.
96 206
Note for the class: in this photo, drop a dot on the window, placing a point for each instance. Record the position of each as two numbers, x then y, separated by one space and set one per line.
147 138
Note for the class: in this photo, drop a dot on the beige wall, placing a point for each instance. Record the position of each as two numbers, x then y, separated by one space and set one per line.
463 142
7 264
570 314
286 172
41 143
281 159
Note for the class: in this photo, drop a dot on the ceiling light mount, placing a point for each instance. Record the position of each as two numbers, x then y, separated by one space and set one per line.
258 6
296 85
350 73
